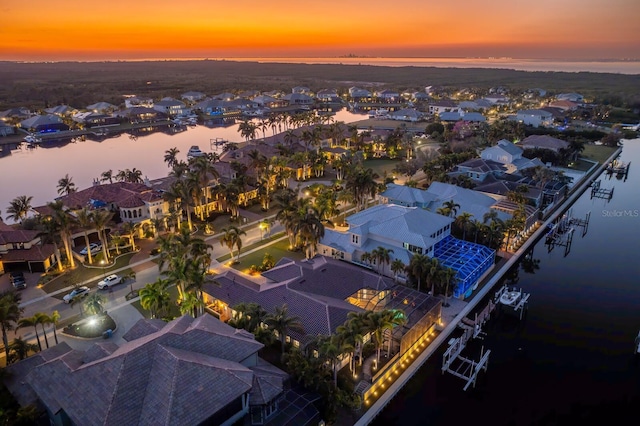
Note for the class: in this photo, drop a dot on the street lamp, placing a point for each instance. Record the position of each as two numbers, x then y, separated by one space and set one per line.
102 263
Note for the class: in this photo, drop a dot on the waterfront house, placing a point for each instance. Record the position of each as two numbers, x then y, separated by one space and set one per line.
22 250
192 96
407 230
298 99
544 142
171 107
302 90
321 292
478 169
500 189
141 114
94 120
15 115
61 110
224 96
535 117
101 107
357 94
266 101
187 372
387 96
49 123
134 101
406 114
406 196
328 96
497 99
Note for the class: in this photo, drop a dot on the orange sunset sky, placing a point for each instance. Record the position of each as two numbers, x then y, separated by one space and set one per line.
38 30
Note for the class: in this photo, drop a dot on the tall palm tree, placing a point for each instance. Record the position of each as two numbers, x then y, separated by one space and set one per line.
397 266
171 156
154 297
448 276
419 265
382 256
101 219
232 238
31 322
433 273
66 185
309 229
107 175
377 323
65 224
10 312
53 319
50 233
129 230
450 207
204 171
42 319
361 183
19 208
332 350
463 221
281 322
85 220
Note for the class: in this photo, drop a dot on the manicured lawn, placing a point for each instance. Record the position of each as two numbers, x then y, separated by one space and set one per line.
174 311
82 273
245 249
599 153
380 165
278 250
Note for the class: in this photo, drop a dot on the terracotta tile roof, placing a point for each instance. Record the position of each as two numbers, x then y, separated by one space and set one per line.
37 253
17 236
119 193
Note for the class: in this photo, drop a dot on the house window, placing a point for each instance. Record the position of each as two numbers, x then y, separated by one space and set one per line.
354 238
296 344
412 248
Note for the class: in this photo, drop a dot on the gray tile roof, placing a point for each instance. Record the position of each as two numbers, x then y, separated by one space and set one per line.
142 328
166 377
317 297
406 196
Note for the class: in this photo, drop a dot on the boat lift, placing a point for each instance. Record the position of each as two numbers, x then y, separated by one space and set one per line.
511 298
460 366
603 193
561 233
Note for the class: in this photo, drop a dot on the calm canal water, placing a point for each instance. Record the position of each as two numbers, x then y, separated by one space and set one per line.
35 172
570 360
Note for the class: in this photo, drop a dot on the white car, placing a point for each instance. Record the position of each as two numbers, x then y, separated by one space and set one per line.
95 248
109 281
76 293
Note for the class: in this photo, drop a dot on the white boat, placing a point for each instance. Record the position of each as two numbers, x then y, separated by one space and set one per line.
510 297
32 139
194 152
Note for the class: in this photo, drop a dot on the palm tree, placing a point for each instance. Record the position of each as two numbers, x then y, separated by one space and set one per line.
232 238
19 208
94 303
309 228
171 156
20 349
282 323
419 265
85 220
154 297
66 185
382 256
433 273
10 312
204 171
190 304
397 266
463 221
129 230
448 275
332 350
43 319
53 319
377 323
31 322
65 224
450 207
361 183
101 219
107 176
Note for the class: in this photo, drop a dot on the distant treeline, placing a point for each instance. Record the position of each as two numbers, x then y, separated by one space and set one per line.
39 85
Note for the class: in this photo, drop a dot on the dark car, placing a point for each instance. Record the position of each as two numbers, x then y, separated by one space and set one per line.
17 280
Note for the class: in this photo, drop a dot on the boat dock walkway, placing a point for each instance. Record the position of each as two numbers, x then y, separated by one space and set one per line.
483 292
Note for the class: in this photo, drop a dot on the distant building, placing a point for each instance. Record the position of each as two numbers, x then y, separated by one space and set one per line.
535 117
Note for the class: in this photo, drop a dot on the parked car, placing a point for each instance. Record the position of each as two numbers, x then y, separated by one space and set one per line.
17 280
109 281
77 293
94 247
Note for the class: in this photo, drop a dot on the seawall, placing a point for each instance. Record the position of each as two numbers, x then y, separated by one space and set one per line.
486 288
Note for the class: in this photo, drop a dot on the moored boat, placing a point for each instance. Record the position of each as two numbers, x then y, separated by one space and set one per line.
194 152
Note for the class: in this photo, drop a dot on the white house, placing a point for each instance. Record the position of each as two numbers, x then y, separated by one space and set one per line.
535 117
171 107
572 97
